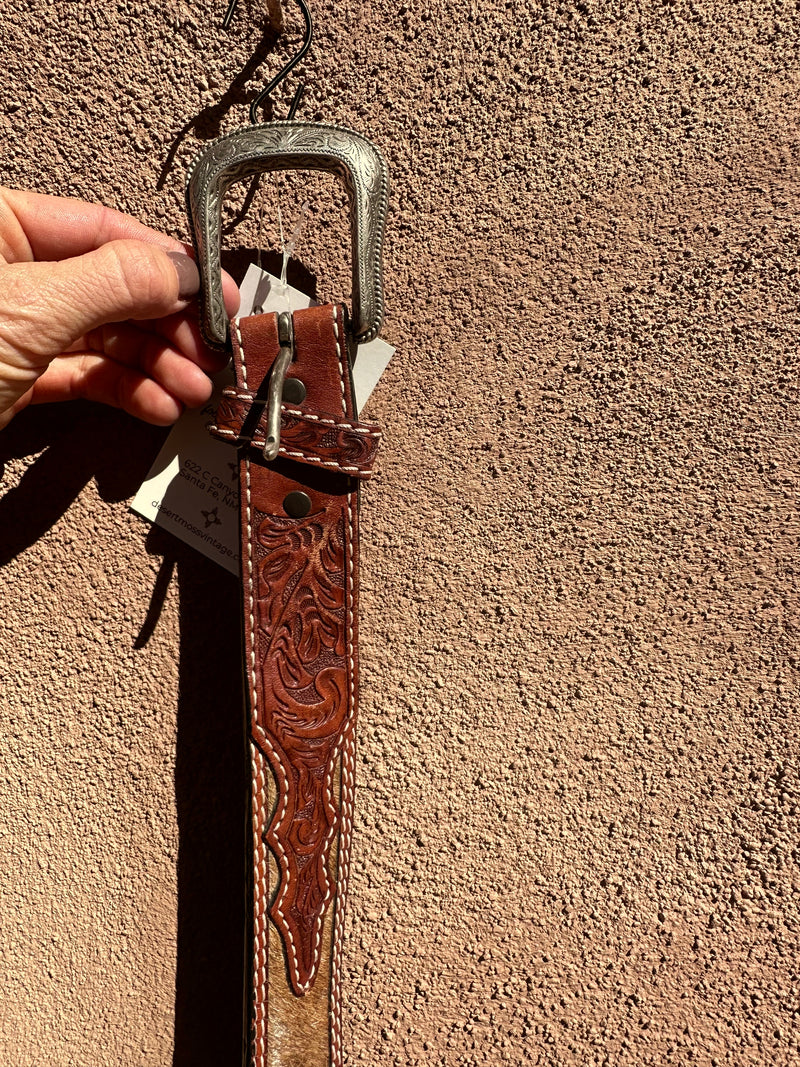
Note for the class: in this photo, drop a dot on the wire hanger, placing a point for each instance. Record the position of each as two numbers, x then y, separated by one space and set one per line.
281 75
288 145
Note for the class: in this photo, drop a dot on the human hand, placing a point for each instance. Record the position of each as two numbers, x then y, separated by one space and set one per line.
95 305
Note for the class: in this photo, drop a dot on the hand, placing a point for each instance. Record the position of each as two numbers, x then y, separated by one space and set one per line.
95 305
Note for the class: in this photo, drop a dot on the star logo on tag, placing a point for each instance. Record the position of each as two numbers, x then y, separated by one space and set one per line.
212 517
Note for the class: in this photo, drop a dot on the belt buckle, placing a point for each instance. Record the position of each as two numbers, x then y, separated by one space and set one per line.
288 146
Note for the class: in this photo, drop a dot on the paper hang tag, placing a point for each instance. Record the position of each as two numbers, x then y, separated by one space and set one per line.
192 489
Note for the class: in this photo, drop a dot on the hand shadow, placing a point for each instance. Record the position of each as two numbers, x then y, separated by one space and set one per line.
77 442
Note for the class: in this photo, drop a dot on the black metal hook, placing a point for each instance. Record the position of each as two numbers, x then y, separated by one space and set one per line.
279 77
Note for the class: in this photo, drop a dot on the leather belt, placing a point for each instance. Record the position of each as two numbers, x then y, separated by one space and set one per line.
302 452
299 551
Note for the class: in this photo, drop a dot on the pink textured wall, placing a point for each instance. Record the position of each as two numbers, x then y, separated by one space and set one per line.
577 805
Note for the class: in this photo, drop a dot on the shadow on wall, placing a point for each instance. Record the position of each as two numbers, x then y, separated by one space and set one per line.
211 788
206 125
79 442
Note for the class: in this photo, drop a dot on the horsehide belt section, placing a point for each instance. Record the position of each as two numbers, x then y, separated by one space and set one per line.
299 565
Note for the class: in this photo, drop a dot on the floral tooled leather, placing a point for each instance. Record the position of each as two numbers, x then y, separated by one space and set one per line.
302 619
308 437
300 584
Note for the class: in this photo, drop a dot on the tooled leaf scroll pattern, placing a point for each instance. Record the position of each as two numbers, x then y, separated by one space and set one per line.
301 649
344 446
350 449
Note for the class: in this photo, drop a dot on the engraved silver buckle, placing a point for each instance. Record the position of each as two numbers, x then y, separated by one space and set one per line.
292 146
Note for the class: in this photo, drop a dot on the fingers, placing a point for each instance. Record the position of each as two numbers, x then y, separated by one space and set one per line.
90 376
44 307
75 269
55 227
182 331
176 362
230 294
37 227
113 363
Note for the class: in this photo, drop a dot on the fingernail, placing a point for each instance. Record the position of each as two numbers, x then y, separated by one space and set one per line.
188 275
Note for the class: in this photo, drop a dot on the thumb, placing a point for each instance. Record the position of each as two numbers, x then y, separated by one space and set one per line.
46 307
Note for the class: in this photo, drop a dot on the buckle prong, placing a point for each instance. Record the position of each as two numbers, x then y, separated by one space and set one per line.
277 377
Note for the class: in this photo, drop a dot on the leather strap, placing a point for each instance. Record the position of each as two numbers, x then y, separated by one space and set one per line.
321 439
300 594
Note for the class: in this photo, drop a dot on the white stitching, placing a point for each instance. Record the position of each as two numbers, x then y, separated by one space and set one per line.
348 780
284 862
233 395
260 897
251 598
348 786
339 354
324 462
260 887
236 326
295 455
347 770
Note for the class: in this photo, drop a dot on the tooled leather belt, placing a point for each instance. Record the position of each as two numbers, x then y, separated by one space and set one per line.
299 550
302 454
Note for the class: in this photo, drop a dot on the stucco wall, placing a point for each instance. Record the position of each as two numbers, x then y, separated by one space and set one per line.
577 801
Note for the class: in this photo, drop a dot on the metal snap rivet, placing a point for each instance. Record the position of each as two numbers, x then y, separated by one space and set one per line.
297 505
294 391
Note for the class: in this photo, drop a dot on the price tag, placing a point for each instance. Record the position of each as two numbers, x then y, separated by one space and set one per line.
192 489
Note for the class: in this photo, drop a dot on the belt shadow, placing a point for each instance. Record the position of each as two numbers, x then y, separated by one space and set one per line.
71 445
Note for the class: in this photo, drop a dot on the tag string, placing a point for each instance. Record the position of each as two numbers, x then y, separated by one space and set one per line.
288 248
